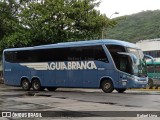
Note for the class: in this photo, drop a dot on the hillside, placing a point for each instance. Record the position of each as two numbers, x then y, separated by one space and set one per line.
140 26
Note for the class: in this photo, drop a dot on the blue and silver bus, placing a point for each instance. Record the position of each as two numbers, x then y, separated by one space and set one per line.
106 64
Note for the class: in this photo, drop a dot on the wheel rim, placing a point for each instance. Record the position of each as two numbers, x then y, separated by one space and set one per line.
150 83
36 85
25 84
107 86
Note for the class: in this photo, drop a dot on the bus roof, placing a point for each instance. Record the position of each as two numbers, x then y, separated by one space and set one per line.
79 43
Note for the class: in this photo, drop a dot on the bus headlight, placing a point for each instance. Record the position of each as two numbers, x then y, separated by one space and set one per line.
133 78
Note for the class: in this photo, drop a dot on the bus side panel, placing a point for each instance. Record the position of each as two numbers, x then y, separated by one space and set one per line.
13 74
90 78
75 78
54 78
49 78
12 78
61 78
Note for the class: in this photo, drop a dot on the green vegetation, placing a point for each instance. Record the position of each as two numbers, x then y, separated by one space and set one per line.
36 22
32 23
140 26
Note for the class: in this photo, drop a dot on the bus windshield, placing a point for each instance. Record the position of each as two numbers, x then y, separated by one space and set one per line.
121 61
136 52
139 68
124 62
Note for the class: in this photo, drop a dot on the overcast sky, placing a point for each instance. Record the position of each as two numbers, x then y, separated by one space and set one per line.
127 7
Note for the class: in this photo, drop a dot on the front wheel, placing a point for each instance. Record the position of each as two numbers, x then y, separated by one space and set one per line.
150 83
156 87
120 90
25 84
36 85
107 86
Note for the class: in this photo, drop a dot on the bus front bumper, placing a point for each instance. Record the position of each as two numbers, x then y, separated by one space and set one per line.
139 82
133 82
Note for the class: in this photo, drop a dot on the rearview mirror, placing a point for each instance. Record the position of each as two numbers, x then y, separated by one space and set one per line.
150 57
134 58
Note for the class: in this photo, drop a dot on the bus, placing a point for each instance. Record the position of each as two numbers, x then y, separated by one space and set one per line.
106 64
153 74
153 67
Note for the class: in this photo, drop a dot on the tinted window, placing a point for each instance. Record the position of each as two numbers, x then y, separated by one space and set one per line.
58 54
154 53
88 53
157 68
115 48
150 68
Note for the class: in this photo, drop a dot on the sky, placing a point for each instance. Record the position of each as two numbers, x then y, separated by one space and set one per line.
127 7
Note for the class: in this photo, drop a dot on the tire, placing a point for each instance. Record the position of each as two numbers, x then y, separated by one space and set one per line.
36 85
150 83
107 86
156 87
51 88
120 90
25 84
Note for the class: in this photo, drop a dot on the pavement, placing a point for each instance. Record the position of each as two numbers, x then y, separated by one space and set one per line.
78 102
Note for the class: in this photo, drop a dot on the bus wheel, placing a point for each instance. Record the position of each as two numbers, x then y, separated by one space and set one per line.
25 84
107 86
150 83
156 87
51 88
36 85
120 90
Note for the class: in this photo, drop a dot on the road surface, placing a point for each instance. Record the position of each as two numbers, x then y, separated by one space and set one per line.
82 104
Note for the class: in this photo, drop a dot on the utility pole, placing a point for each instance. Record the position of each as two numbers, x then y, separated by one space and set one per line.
103 26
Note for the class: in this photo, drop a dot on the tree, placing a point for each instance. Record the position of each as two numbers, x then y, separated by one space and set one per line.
52 21
37 22
11 32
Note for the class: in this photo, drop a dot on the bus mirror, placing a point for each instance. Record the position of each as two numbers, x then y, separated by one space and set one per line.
134 58
149 57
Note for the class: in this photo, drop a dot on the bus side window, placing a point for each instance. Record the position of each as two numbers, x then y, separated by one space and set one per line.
58 54
150 68
101 55
157 68
113 49
88 53
95 53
